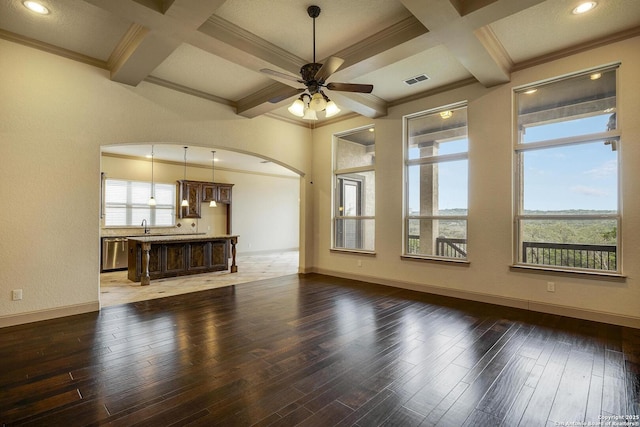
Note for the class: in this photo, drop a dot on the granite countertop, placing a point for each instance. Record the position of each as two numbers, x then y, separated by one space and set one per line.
179 237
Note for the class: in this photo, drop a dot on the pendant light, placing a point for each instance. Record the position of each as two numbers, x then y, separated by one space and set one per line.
152 200
185 202
212 203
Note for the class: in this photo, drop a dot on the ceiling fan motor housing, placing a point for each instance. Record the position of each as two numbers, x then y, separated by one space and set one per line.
308 72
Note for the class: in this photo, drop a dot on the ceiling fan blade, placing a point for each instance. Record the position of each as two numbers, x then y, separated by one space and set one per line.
330 66
280 75
285 95
350 87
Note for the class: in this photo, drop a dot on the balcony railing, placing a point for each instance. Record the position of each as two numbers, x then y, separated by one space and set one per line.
593 257
445 247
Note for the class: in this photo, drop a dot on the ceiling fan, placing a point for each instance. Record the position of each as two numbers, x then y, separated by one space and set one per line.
314 76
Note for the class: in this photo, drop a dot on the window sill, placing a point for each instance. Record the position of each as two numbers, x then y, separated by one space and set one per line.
352 251
599 275
462 262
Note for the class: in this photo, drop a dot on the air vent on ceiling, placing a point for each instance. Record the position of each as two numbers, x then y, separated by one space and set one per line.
416 79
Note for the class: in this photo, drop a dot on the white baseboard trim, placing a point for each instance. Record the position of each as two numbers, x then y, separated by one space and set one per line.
37 316
541 307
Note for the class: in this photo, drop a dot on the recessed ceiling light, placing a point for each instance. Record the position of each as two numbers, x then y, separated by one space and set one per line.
36 7
446 114
371 130
595 76
584 7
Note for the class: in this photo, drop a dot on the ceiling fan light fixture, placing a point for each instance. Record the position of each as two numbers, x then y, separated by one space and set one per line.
310 114
297 108
317 103
331 110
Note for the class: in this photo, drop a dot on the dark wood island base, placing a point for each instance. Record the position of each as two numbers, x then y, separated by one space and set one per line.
156 257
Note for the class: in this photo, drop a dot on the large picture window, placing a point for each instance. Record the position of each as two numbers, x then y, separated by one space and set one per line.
354 190
567 152
436 177
127 203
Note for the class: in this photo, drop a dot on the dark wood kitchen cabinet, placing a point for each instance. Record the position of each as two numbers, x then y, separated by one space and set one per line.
191 190
172 256
221 193
198 192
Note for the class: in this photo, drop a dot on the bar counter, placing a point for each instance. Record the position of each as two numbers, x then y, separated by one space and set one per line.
156 257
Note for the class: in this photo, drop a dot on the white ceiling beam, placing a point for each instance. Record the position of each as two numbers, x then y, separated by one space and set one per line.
154 35
485 62
258 103
365 104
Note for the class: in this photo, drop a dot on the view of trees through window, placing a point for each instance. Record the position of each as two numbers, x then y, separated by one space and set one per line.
567 173
436 169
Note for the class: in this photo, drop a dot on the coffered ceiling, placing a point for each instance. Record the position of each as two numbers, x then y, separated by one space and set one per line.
215 49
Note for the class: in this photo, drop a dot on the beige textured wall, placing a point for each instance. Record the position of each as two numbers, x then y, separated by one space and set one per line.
488 277
56 113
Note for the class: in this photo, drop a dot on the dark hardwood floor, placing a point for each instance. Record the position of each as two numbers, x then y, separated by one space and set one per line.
317 351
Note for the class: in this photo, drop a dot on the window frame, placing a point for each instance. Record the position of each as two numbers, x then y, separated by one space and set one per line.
437 159
351 173
129 205
520 148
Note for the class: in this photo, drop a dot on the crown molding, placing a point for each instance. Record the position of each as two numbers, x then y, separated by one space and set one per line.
613 38
189 91
46 47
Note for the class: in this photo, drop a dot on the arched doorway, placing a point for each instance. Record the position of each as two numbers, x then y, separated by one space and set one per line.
265 213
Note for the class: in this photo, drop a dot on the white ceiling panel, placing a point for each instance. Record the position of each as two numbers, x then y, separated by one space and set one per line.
550 26
194 68
286 23
72 24
437 63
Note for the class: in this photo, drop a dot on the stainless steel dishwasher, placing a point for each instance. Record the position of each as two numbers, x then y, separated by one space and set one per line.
114 253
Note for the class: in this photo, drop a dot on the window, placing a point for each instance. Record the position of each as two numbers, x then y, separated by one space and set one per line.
436 180
127 203
567 207
354 190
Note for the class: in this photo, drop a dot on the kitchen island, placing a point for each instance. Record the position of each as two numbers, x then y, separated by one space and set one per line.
156 257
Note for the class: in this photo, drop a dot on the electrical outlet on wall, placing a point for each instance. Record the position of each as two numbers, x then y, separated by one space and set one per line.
551 286
16 294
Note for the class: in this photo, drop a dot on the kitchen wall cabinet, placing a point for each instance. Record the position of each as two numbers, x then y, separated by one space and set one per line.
198 192
191 190
221 193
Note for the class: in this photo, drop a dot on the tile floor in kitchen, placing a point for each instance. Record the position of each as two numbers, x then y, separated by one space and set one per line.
116 289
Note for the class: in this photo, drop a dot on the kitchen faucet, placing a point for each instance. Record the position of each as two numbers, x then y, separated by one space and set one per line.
146 228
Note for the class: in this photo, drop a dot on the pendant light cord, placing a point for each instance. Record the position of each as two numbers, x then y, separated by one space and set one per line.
185 163
152 185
